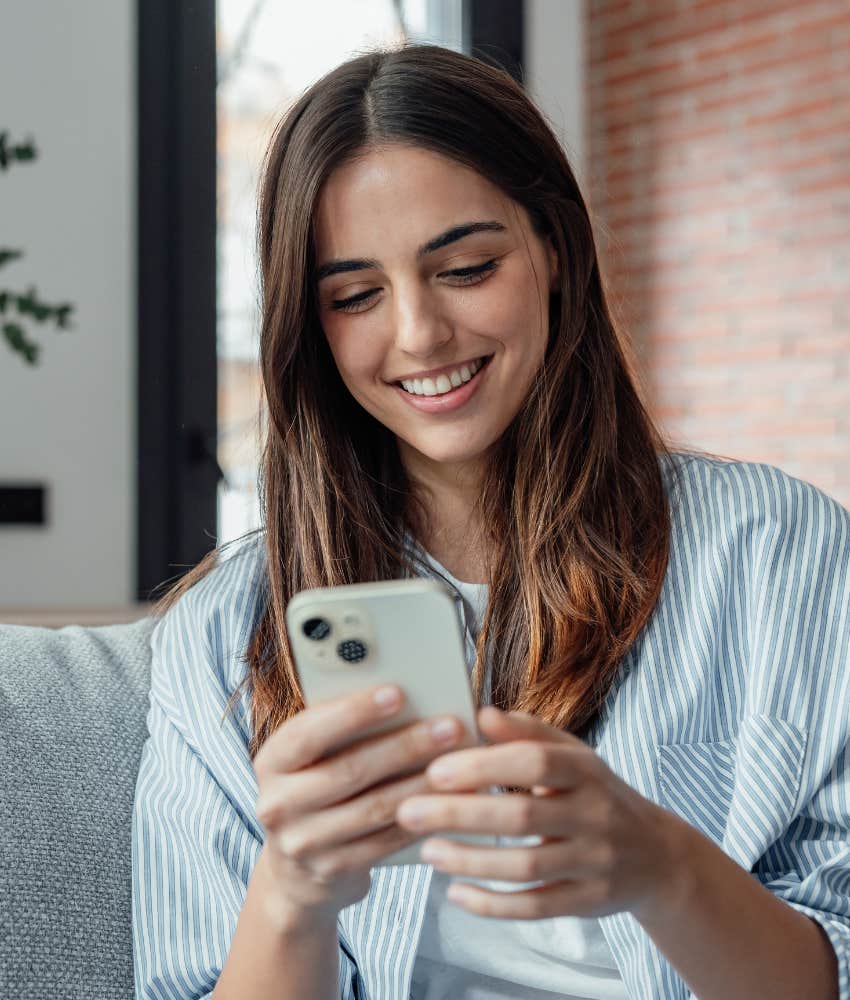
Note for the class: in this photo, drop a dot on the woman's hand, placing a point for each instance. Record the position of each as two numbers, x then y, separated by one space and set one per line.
605 848
328 804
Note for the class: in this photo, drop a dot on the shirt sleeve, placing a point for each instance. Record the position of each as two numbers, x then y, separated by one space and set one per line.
803 576
811 861
195 838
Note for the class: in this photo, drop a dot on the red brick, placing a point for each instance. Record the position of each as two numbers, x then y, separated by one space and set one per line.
792 111
738 292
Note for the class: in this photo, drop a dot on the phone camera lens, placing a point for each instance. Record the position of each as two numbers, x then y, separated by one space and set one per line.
351 650
316 628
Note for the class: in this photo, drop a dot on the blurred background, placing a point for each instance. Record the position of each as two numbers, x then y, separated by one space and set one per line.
711 140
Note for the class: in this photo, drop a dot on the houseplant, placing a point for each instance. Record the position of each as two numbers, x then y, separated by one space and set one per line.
19 308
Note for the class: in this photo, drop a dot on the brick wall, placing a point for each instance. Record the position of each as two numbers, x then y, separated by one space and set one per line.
719 181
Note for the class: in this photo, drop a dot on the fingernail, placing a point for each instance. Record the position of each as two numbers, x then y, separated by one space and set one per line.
434 854
442 771
411 814
387 697
457 893
444 731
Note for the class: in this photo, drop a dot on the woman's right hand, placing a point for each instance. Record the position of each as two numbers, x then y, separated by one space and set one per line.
330 816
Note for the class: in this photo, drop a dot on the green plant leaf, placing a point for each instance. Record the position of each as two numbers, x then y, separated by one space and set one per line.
19 342
27 304
22 151
7 255
30 305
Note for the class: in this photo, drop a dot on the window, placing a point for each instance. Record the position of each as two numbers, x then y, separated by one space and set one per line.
213 78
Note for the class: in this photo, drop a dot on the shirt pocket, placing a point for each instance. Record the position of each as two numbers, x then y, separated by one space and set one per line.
741 792
696 781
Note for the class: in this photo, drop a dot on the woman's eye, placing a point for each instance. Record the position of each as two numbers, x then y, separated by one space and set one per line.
463 276
349 305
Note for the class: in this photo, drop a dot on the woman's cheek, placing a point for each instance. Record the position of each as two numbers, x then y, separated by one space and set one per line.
497 314
360 363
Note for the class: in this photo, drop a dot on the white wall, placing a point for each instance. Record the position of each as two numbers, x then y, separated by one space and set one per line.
555 71
67 71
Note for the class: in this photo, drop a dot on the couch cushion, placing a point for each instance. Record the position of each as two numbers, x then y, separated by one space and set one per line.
73 704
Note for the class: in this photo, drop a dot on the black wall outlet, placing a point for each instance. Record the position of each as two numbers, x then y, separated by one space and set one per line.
23 504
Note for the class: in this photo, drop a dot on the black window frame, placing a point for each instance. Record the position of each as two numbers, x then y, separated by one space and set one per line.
176 289
494 31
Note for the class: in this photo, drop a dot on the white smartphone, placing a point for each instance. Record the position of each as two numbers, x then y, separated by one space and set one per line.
404 632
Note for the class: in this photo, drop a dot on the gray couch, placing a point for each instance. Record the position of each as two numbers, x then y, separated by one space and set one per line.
73 704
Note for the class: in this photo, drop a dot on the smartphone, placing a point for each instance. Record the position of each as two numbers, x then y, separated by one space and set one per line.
404 632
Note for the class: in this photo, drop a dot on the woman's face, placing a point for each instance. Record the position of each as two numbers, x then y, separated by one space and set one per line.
390 238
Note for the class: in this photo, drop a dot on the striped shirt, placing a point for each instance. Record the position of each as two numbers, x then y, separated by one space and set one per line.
732 709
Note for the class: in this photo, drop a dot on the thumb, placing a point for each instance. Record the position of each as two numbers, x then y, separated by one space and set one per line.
499 727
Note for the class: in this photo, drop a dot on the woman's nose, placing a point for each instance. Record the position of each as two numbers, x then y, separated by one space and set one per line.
420 327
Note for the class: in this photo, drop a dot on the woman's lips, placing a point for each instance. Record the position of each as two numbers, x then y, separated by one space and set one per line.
450 400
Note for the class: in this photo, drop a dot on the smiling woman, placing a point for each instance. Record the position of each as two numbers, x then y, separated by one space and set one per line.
448 396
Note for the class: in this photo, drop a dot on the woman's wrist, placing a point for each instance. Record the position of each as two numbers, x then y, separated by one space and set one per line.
286 916
679 883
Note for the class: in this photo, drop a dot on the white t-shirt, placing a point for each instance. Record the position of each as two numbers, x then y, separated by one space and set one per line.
463 956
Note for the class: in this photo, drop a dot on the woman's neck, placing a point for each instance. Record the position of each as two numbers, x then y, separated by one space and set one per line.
457 547
452 535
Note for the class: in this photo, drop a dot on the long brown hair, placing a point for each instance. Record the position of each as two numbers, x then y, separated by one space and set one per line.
573 497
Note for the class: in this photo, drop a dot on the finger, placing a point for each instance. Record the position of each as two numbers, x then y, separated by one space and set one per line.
500 726
318 730
367 813
509 815
521 763
356 855
344 775
579 899
554 860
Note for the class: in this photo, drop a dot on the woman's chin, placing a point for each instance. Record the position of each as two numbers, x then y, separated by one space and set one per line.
447 453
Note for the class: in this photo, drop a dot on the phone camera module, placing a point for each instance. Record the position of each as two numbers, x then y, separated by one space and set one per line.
316 628
351 650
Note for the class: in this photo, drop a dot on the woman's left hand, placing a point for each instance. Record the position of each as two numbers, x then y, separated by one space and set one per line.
605 848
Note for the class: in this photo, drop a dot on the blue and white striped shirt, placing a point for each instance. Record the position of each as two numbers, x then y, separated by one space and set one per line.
732 710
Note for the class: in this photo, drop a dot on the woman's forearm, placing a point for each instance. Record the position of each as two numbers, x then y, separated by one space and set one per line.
276 956
730 938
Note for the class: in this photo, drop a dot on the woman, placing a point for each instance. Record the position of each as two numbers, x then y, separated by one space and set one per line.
659 640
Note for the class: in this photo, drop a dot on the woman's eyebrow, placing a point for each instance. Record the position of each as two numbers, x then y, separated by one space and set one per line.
451 235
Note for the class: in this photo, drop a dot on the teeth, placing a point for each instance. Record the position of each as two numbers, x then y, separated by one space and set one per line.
443 383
